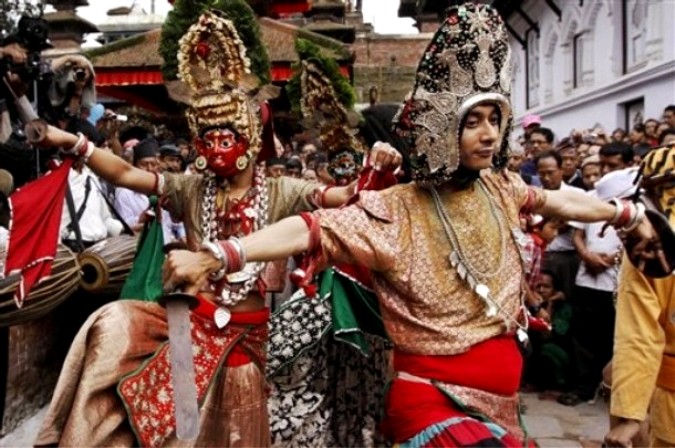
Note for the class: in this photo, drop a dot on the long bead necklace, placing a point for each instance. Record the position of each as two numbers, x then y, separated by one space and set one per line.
244 280
465 268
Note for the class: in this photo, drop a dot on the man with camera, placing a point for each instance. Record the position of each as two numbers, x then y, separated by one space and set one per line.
15 52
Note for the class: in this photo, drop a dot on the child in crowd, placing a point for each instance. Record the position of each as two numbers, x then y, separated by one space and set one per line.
549 366
590 172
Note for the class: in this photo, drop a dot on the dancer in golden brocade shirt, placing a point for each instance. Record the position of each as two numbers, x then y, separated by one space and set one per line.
445 250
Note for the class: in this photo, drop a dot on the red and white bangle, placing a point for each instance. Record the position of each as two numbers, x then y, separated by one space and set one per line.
234 254
628 215
89 150
636 218
218 254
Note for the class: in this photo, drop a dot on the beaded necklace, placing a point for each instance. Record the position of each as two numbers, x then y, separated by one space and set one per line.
244 217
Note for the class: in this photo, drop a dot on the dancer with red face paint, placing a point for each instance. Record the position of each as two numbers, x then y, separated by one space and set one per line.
115 385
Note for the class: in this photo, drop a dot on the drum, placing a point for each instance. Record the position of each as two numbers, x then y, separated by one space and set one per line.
106 265
46 295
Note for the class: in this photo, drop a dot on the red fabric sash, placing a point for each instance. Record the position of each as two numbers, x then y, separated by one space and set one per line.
493 366
34 228
147 393
237 356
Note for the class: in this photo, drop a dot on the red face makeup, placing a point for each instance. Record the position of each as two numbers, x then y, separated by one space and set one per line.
224 150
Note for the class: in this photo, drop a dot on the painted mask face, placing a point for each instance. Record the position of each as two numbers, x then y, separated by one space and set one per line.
343 168
224 150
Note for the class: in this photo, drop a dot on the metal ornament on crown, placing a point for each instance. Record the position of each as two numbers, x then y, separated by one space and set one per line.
466 64
222 116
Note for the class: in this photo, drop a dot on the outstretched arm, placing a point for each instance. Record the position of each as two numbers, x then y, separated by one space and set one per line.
287 237
574 206
110 167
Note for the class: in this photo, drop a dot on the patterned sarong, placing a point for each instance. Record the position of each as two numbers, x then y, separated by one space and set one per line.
147 393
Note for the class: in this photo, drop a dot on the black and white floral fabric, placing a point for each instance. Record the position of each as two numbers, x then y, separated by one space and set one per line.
324 393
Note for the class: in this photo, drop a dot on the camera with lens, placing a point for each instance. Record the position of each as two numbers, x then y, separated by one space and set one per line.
31 34
80 74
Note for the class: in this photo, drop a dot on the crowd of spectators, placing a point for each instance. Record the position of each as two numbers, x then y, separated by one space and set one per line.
574 267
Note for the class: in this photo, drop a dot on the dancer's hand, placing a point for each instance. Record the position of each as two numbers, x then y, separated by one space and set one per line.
47 136
622 434
644 244
384 157
187 270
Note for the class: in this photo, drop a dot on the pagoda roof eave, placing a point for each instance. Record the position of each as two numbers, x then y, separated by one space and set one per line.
279 38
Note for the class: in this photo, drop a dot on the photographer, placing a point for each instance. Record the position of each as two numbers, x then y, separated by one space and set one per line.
11 55
15 52
72 89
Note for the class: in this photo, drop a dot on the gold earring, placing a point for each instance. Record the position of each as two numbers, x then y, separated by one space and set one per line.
242 162
200 163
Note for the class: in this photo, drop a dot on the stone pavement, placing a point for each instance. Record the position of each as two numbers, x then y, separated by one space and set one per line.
554 425
550 423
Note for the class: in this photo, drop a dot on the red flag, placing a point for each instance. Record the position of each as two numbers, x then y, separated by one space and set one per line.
34 228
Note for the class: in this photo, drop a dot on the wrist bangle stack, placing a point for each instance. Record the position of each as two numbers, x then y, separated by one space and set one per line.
216 251
234 254
637 217
618 210
88 152
628 215
78 146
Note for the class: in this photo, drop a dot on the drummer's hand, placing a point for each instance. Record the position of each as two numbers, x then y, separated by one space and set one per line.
384 157
187 269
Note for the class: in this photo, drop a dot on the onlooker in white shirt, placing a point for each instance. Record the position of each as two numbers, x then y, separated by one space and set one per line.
133 207
96 222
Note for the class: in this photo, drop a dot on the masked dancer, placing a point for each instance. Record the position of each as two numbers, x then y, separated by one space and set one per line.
643 367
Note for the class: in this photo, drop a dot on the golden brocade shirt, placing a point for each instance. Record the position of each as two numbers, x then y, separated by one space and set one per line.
644 337
397 233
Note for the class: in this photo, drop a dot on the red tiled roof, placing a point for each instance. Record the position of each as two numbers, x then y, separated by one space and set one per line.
278 38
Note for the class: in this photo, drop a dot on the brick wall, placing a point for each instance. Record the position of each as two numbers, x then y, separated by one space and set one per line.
393 83
388 63
374 50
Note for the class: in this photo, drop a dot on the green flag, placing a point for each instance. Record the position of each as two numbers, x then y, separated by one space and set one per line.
145 279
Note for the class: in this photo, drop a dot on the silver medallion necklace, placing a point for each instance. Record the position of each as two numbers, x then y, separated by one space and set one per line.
249 275
468 272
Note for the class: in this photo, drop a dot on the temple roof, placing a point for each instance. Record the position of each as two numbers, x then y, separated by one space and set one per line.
70 18
279 39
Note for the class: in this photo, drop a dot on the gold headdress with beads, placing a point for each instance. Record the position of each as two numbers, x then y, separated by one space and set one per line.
213 64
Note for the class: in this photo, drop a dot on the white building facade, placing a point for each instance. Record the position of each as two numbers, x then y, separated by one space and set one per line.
583 63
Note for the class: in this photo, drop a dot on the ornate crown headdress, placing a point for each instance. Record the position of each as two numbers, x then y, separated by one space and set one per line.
467 63
212 63
324 99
